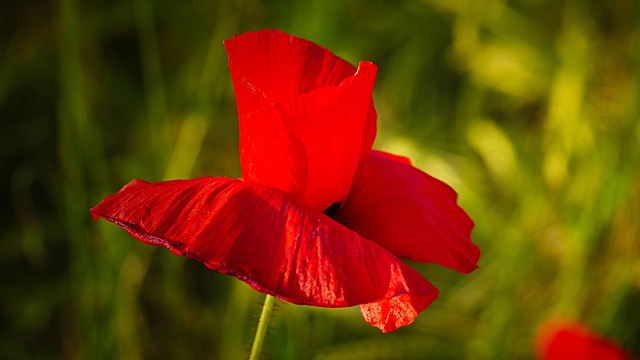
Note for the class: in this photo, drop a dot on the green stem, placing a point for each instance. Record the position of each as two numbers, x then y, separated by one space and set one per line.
263 323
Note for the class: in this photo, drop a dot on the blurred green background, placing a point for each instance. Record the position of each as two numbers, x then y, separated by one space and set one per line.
529 108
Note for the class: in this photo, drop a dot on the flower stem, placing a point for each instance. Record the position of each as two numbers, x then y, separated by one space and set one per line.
263 323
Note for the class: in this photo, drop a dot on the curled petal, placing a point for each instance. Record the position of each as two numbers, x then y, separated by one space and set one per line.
410 213
399 308
306 116
270 66
262 237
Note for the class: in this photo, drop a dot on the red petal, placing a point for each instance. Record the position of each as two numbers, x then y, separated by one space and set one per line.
398 158
306 116
565 339
400 307
261 237
410 213
270 66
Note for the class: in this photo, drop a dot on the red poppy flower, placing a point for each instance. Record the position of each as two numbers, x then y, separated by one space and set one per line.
570 340
318 218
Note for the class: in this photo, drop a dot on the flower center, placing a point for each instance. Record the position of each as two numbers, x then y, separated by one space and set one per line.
332 209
